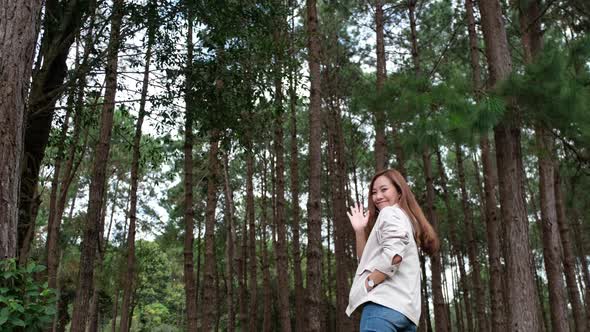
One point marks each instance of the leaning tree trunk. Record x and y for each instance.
(314, 224)
(210, 261)
(440, 315)
(52, 225)
(63, 20)
(569, 258)
(128, 280)
(522, 297)
(18, 31)
(97, 185)
(72, 165)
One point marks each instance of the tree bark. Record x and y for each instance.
(135, 174)
(97, 185)
(210, 261)
(550, 233)
(189, 213)
(532, 41)
(314, 225)
(569, 258)
(522, 298)
(18, 28)
(63, 20)
(493, 235)
(281, 244)
(440, 315)
(493, 230)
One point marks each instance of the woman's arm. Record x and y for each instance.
(361, 241)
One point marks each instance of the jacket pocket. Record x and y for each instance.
(358, 291)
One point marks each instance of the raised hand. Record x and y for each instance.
(358, 219)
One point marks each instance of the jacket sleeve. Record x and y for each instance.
(393, 238)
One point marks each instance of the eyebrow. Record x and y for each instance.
(380, 187)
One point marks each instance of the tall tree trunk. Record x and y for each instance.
(569, 258)
(251, 218)
(379, 113)
(242, 271)
(440, 315)
(522, 298)
(52, 226)
(413, 35)
(18, 28)
(189, 213)
(550, 233)
(493, 231)
(584, 262)
(532, 41)
(115, 311)
(281, 244)
(128, 280)
(478, 289)
(97, 185)
(210, 261)
(231, 316)
(425, 323)
(456, 247)
(337, 171)
(314, 224)
(63, 20)
(266, 286)
(71, 168)
(457, 301)
(294, 167)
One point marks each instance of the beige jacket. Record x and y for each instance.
(391, 235)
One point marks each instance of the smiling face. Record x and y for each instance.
(384, 192)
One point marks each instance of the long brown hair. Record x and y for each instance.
(423, 232)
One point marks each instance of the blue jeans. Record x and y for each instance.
(376, 317)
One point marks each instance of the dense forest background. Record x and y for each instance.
(184, 165)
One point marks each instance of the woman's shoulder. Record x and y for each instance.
(393, 213)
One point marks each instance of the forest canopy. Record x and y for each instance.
(184, 165)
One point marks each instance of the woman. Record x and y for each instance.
(387, 280)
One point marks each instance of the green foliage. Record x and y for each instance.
(553, 91)
(25, 304)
